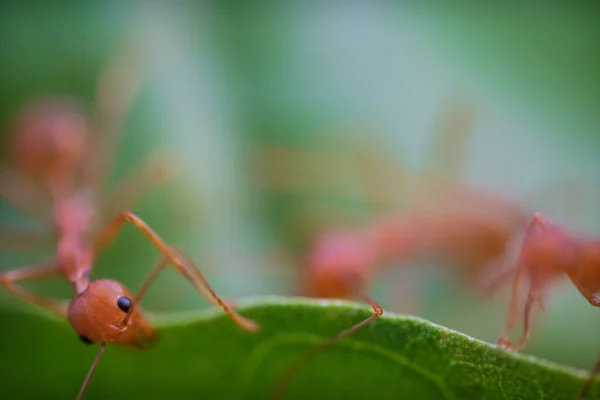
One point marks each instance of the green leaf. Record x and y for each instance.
(205, 355)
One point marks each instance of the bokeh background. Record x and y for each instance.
(231, 84)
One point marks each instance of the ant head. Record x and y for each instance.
(338, 262)
(588, 268)
(49, 137)
(99, 313)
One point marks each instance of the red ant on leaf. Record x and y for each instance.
(471, 229)
(466, 227)
(342, 264)
(55, 149)
(548, 252)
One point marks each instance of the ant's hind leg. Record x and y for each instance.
(184, 266)
(41, 271)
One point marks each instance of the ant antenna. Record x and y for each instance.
(154, 273)
(88, 378)
(292, 370)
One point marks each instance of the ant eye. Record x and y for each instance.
(124, 304)
(85, 340)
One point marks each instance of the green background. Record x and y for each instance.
(229, 76)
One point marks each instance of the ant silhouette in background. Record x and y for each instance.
(59, 157)
(468, 228)
(549, 251)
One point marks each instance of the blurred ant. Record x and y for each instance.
(471, 229)
(341, 265)
(55, 148)
(547, 252)
(464, 226)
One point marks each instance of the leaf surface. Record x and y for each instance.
(204, 355)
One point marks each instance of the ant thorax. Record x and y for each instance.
(76, 214)
(74, 219)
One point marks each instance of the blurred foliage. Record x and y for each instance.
(229, 79)
(397, 356)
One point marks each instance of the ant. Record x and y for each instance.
(471, 228)
(55, 148)
(341, 264)
(547, 252)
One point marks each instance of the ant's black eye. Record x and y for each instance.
(124, 304)
(85, 340)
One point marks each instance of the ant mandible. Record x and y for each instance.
(55, 149)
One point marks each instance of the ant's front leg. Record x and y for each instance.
(41, 271)
(184, 266)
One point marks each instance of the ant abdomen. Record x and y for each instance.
(99, 313)
(48, 138)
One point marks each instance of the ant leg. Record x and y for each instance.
(531, 299)
(22, 194)
(156, 170)
(308, 356)
(373, 174)
(116, 90)
(40, 271)
(88, 378)
(201, 289)
(537, 223)
(490, 288)
(182, 265)
(451, 138)
(586, 388)
(154, 273)
(513, 310)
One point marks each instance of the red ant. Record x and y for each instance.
(548, 251)
(342, 264)
(53, 147)
(471, 229)
(474, 232)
